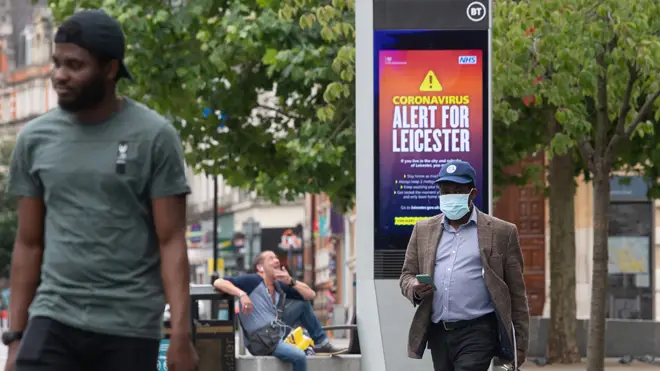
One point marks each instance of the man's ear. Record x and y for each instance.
(112, 70)
(473, 195)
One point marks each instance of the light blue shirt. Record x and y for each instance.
(458, 276)
(264, 307)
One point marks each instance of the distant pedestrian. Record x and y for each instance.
(101, 231)
(475, 307)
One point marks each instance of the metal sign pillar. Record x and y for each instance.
(423, 98)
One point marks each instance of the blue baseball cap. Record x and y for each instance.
(457, 171)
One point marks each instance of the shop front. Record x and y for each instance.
(630, 245)
(199, 237)
(328, 233)
(287, 244)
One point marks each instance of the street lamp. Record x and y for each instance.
(214, 237)
(215, 305)
(215, 224)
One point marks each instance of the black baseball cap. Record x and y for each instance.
(98, 32)
(457, 171)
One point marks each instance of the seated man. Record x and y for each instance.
(259, 298)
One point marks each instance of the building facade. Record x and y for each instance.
(26, 32)
(278, 228)
(525, 206)
(634, 250)
(634, 246)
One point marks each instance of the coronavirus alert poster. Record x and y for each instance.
(430, 111)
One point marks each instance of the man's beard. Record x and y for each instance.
(89, 96)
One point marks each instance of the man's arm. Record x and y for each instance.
(168, 190)
(170, 222)
(239, 286)
(513, 276)
(410, 269)
(299, 291)
(228, 287)
(29, 245)
(26, 260)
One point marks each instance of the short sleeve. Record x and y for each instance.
(245, 282)
(291, 293)
(168, 168)
(23, 180)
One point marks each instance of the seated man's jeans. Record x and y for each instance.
(299, 313)
(289, 353)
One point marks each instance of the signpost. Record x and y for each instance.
(423, 98)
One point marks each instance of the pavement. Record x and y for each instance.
(610, 365)
(342, 343)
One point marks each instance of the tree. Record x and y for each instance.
(536, 126)
(288, 123)
(270, 81)
(603, 90)
(8, 217)
(558, 185)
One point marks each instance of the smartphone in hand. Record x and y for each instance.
(426, 279)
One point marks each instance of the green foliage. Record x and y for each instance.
(642, 156)
(286, 88)
(518, 132)
(335, 22)
(8, 217)
(283, 71)
(598, 63)
(597, 67)
(329, 136)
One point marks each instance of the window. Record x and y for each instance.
(24, 55)
(5, 110)
(630, 264)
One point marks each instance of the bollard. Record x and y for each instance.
(214, 338)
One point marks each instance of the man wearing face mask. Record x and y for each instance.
(476, 308)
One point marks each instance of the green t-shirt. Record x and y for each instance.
(101, 266)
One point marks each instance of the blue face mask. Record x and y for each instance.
(455, 206)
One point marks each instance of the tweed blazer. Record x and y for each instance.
(503, 274)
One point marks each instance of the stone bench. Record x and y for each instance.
(316, 363)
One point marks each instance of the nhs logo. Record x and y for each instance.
(467, 59)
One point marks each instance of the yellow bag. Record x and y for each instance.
(299, 339)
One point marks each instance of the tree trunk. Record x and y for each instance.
(562, 337)
(596, 343)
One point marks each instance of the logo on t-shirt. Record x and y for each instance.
(120, 163)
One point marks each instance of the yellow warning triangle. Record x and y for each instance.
(430, 83)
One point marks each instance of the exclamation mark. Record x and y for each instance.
(430, 81)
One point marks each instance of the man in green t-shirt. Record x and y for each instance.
(101, 235)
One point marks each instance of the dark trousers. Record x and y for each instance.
(49, 345)
(465, 345)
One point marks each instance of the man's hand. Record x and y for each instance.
(422, 290)
(283, 275)
(181, 355)
(11, 356)
(246, 304)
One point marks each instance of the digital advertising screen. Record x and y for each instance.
(431, 107)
